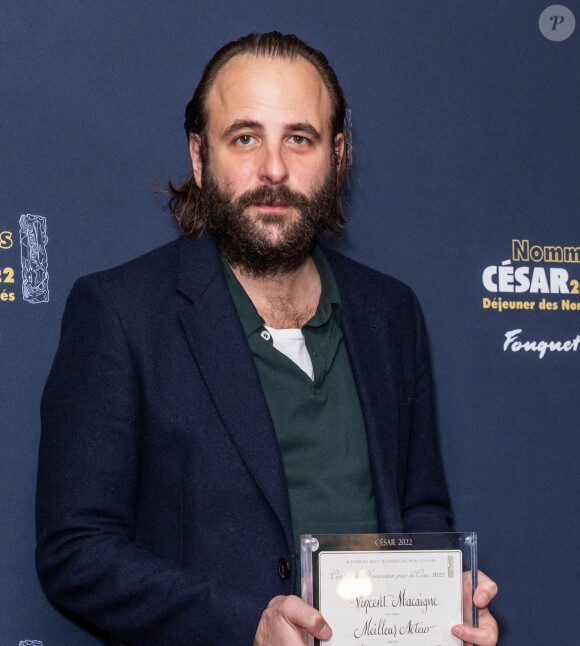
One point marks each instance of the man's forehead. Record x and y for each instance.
(249, 85)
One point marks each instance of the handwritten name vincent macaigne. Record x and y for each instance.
(396, 601)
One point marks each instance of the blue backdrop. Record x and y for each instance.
(465, 185)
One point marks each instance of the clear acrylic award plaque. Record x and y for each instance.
(400, 589)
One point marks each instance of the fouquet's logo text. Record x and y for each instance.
(512, 342)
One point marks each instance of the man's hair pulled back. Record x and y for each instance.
(185, 202)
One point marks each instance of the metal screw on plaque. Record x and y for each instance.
(315, 544)
(468, 539)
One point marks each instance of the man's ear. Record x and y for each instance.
(195, 154)
(339, 151)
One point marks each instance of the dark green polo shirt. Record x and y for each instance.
(319, 424)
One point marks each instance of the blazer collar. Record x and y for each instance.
(217, 340)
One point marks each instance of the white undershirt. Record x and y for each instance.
(291, 343)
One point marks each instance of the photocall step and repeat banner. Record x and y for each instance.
(465, 185)
(535, 278)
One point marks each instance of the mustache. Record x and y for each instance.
(271, 195)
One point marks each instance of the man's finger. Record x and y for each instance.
(485, 591)
(301, 614)
(477, 636)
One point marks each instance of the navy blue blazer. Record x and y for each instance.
(162, 507)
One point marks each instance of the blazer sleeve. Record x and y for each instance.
(87, 486)
(426, 506)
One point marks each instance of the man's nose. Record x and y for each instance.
(273, 166)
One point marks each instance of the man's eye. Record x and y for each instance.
(245, 140)
(298, 139)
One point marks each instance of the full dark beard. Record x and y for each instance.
(242, 242)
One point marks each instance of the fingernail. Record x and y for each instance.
(325, 633)
(457, 631)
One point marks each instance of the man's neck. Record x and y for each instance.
(286, 301)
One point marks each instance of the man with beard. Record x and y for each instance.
(216, 398)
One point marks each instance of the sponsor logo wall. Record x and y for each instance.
(536, 278)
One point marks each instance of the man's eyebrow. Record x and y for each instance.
(307, 128)
(241, 124)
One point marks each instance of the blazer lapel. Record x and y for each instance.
(216, 338)
(366, 333)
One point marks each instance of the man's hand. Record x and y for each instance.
(486, 634)
(283, 620)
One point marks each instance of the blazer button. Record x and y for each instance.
(283, 569)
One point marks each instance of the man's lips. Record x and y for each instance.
(274, 206)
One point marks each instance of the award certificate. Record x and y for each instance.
(393, 591)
